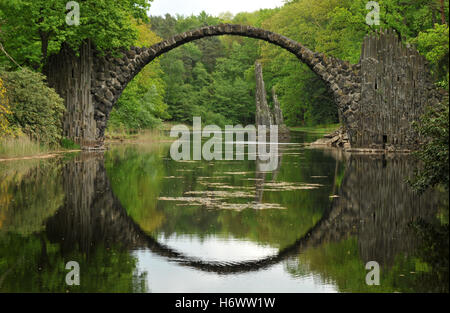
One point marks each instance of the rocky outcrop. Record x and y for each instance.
(338, 139)
(396, 85)
(283, 130)
(71, 76)
(263, 115)
(277, 113)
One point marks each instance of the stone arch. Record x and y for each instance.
(377, 99)
(114, 73)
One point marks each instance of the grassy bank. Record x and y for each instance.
(13, 147)
(22, 146)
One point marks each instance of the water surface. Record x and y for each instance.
(137, 221)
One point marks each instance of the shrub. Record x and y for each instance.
(36, 108)
(434, 153)
(67, 143)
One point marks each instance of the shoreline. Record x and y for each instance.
(143, 138)
(48, 155)
(372, 151)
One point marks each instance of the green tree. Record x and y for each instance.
(4, 111)
(433, 43)
(334, 27)
(34, 29)
(434, 153)
(141, 105)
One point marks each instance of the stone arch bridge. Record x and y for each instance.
(377, 99)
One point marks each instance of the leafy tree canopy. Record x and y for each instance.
(33, 29)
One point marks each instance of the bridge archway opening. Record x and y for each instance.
(332, 71)
(316, 82)
(100, 80)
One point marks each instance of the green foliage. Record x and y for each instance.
(412, 18)
(141, 105)
(137, 183)
(36, 264)
(434, 153)
(4, 111)
(34, 29)
(434, 244)
(233, 89)
(180, 93)
(134, 110)
(36, 109)
(17, 144)
(434, 45)
(207, 78)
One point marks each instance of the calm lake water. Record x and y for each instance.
(137, 221)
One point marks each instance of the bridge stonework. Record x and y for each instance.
(395, 87)
(91, 84)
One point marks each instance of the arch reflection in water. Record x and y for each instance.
(374, 205)
(374, 218)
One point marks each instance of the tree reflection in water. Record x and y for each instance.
(374, 218)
